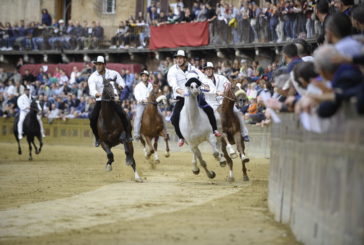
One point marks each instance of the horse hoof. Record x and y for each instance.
(19, 152)
(37, 152)
(157, 161)
(108, 167)
(216, 155)
(212, 175)
(138, 180)
(166, 154)
(30, 158)
(223, 164)
(233, 155)
(196, 172)
(230, 179)
(245, 160)
(245, 178)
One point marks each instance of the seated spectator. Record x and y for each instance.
(54, 113)
(46, 18)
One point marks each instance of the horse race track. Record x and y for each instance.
(64, 196)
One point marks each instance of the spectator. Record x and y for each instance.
(345, 79)
(46, 18)
(338, 31)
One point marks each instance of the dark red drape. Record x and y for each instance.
(179, 35)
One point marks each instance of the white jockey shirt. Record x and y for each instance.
(218, 86)
(24, 102)
(177, 78)
(96, 84)
(141, 92)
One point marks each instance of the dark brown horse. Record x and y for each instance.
(152, 124)
(231, 128)
(110, 128)
(31, 129)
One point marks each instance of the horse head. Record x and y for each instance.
(108, 91)
(235, 92)
(193, 85)
(35, 106)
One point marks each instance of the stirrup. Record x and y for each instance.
(97, 142)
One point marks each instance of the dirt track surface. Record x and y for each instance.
(64, 196)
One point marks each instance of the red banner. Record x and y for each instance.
(179, 35)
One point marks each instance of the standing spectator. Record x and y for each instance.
(344, 6)
(338, 32)
(358, 19)
(46, 18)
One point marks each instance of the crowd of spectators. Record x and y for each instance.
(272, 21)
(314, 86)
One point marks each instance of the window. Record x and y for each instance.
(109, 6)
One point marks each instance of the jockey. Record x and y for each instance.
(216, 86)
(141, 93)
(24, 102)
(177, 79)
(96, 86)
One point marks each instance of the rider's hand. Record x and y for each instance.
(219, 93)
(97, 95)
(180, 92)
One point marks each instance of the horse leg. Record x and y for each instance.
(230, 148)
(110, 156)
(155, 145)
(150, 147)
(195, 169)
(17, 140)
(30, 148)
(40, 139)
(35, 147)
(197, 152)
(143, 143)
(129, 152)
(239, 143)
(230, 178)
(215, 144)
(166, 140)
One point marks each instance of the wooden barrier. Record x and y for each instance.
(77, 131)
(316, 182)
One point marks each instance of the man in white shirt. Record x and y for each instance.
(215, 84)
(141, 93)
(96, 86)
(177, 79)
(24, 102)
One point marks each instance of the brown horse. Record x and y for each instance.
(110, 128)
(152, 125)
(231, 128)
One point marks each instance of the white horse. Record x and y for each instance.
(195, 127)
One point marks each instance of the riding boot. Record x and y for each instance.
(175, 116)
(93, 122)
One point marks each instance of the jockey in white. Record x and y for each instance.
(141, 94)
(24, 102)
(96, 86)
(215, 84)
(177, 78)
